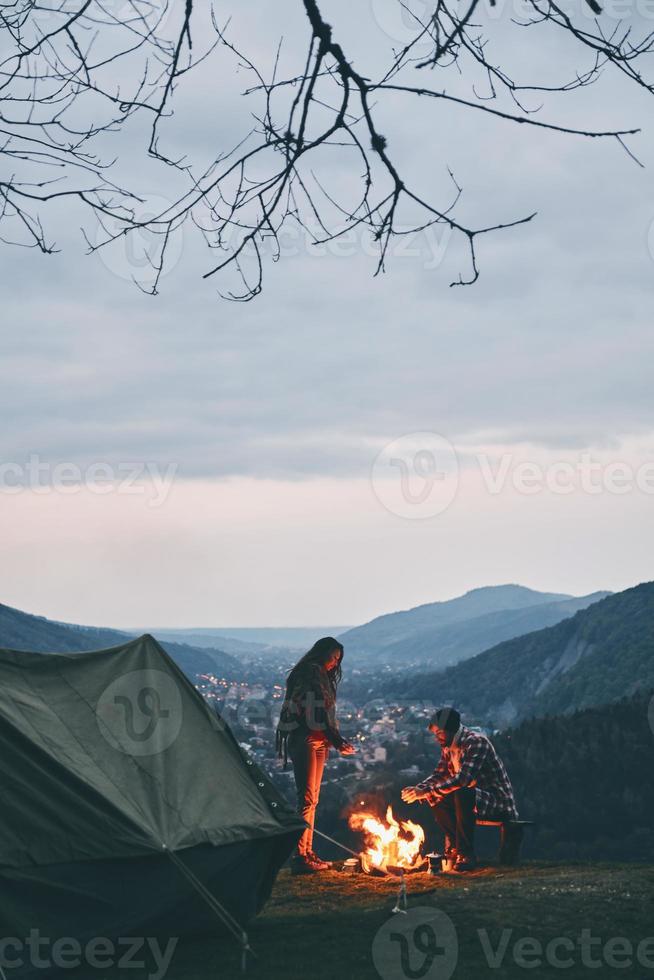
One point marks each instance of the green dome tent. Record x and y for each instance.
(128, 808)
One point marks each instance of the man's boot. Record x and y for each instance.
(465, 862)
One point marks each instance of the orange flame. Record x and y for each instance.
(389, 844)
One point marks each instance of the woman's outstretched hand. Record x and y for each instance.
(347, 749)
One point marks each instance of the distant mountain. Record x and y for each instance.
(201, 639)
(400, 627)
(602, 653)
(249, 640)
(442, 646)
(203, 660)
(22, 631)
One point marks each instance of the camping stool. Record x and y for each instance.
(511, 835)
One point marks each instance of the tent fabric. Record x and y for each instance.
(107, 760)
(141, 896)
(75, 790)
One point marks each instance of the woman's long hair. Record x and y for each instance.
(318, 655)
(321, 651)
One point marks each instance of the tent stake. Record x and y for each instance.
(225, 917)
(401, 902)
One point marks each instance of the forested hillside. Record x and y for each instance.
(443, 646)
(599, 655)
(586, 781)
(384, 631)
(22, 631)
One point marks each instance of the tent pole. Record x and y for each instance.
(225, 917)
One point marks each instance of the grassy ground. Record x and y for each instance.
(339, 926)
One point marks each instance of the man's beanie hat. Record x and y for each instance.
(448, 719)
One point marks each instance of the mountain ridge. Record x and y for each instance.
(446, 645)
(600, 654)
(390, 629)
(475, 602)
(20, 630)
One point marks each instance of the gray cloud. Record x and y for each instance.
(553, 345)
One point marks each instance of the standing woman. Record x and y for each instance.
(306, 731)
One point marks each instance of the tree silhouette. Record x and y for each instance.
(75, 72)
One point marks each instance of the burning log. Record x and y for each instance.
(391, 846)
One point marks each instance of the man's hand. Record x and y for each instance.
(347, 749)
(412, 794)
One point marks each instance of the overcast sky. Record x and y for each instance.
(344, 445)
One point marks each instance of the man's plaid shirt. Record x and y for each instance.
(480, 768)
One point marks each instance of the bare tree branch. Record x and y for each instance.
(74, 74)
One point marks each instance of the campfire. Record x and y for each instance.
(390, 845)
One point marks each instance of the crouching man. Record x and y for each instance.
(470, 782)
